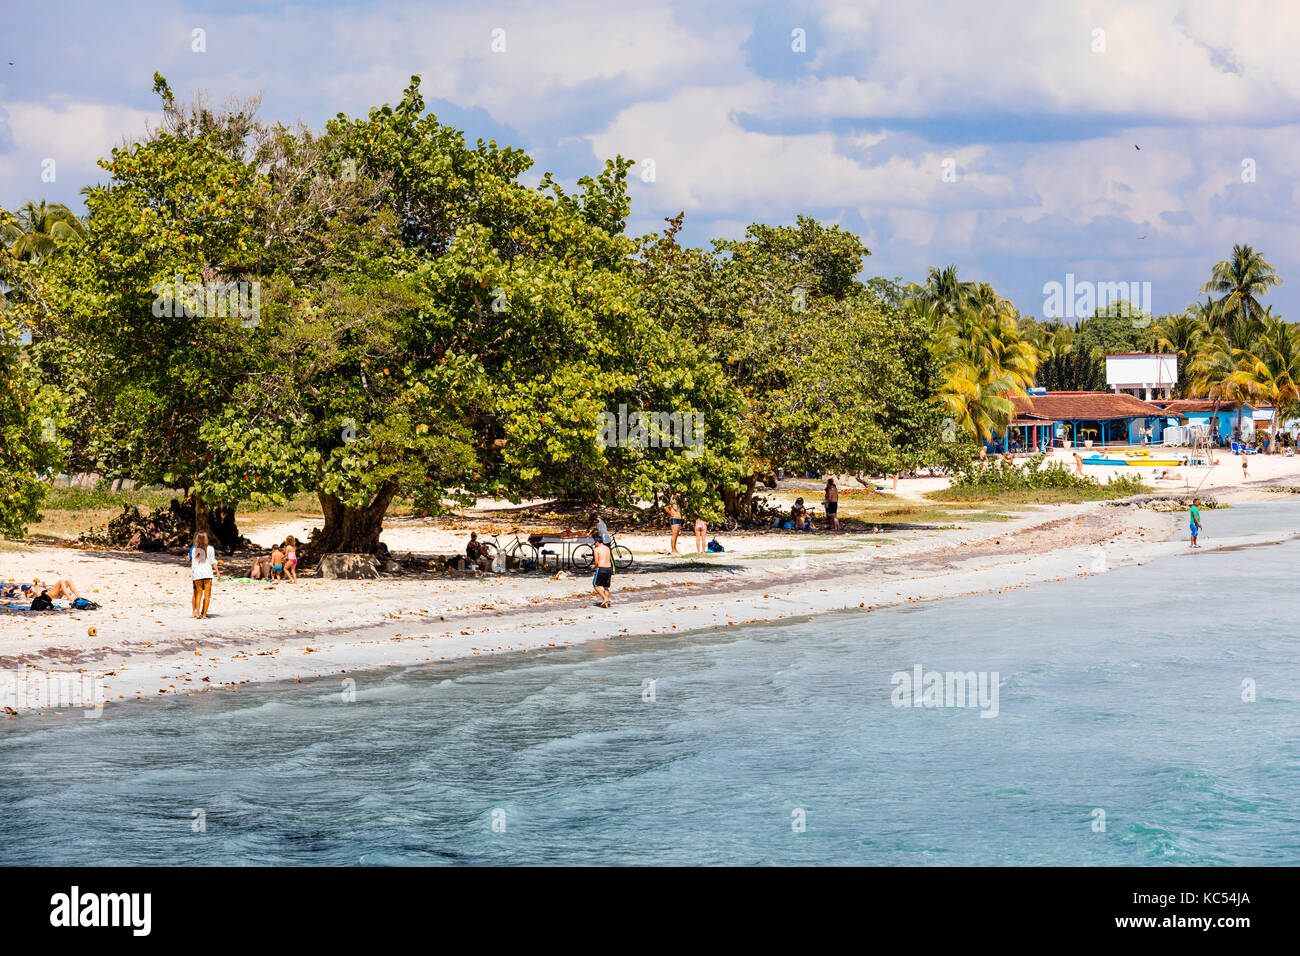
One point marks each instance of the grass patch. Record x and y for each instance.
(98, 499)
(1035, 481)
(789, 553)
(917, 513)
(1037, 496)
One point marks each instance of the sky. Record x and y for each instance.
(999, 136)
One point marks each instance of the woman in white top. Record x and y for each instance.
(203, 562)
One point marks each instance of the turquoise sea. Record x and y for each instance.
(1125, 694)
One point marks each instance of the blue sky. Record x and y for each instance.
(1031, 109)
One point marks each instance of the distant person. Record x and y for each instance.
(701, 531)
(674, 510)
(1194, 520)
(833, 504)
(291, 558)
(799, 516)
(1078, 465)
(601, 530)
(604, 575)
(476, 554)
(59, 589)
(1244, 473)
(204, 566)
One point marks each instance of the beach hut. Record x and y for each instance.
(1220, 417)
(1102, 418)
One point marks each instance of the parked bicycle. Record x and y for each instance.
(584, 555)
(525, 552)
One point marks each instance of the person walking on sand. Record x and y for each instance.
(1245, 475)
(833, 504)
(291, 558)
(204, 566)
(1078, 465)
(604, 570)
(674, 510)
(701, 531)
(1194, 519)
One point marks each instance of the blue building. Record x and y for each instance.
(1073, 419)
(1223, 418)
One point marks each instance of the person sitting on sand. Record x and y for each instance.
(602, 529)
(800, 517)
(477, 554)
(261, 569)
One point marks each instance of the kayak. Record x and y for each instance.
(1134, 462)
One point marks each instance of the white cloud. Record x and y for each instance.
(74, 135)
(706, 159)
(1190, 61)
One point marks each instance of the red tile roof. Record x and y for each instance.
(1183, 406)
(1085, 406)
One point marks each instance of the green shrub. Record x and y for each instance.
(998, 476)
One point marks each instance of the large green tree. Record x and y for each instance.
(833, 375)
(485, 354)
(32, 435)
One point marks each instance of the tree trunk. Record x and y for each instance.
(740, 505)
(218, 522)
(349, 529)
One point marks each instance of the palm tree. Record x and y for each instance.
(1212, 372)
(1182, 335)
(1241, 279)
(1270, 372)
(38, 229)
(985, 358)
(944, 289)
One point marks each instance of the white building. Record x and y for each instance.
(1143, 375)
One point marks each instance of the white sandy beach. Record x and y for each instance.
(144, 642)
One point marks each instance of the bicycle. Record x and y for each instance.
(525, 552)
(584, 555)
